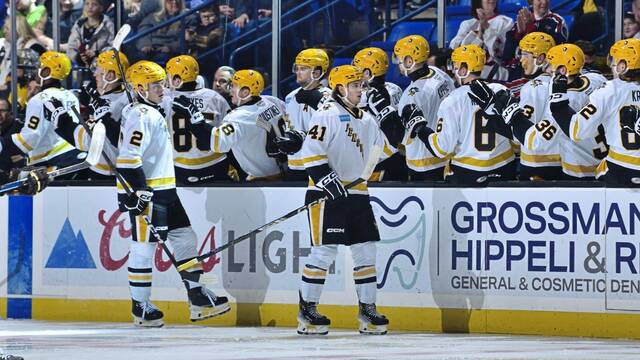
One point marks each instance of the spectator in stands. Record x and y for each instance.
(69, 14)
(138, 10)
(164, 43)
(9, 125)
(36, 16)
(236, 14)
(630, 26)
(28, 48)
(206, 32)
(91, 34)
(589, 21)
(536, 18)
(488, 30)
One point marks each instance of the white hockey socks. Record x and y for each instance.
(315, 271)
(140, 270)
(184, 244)
(364, 271)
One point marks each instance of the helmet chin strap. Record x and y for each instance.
(42, 79)
(145, 97)
(241, 99)
(106, 82)
(460, 78)
(404, 70)
(345, 98)
(312, 81)
(176, 87)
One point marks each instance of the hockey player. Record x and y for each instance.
(145, 160)
(222, 82)
(244, 130)
(612, 106)
(543, 164)
(429, 86)
(382, 95)
(37, 139)
(195, 164)
(579, 160)
(310, 67)
(37, 179)
(340, 136)
(479, 153)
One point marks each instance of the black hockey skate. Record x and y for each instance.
(204, 304)
(371, 321)
(310, 321)
(145, 314)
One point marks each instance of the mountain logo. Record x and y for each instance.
(70, 251)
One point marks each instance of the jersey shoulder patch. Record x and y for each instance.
(344, 118)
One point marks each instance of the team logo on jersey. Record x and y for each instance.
(413, 91)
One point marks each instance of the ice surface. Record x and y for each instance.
(96, 341)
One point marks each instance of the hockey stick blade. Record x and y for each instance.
(120, 36)
(95, 148)
(369, 166)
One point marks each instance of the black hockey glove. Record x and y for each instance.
(36, 180)
(309, 97)
(500, 106)
(412, 119)
(87, 94)
(559, 86)
(291, 142)
(55, 112)
(332, 186)
(137, 202)
(182, 105)
(379, 102)
(630, 119)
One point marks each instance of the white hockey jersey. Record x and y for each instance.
(240, 133)
(426, 93)
(298, 117)
(462, 132)
(604, 109)
(117, 102)
(534, 98)
(395, 92)
(186, 153)
(145, 142)
(578, 159)
(38, 139)
(343, 140)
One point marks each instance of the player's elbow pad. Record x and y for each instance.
(318, 172)
(519, 126)
(8, 147)
(562, 113)
(134, 177)
(202, 132)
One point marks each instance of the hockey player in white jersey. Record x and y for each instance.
(429, 86)
(145, 160)
(245, 130)
(195, 163)
(310, 68)
(613, 106)
(543, 164)
(340, 138)
(579, 160)
(38, 139)
(479, 154)
(381, 99)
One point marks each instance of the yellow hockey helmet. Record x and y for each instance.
(343, 75)
(107, 61)
(373, 59)
(627, 50)
(471, 55)
(250, 79)
(537, 43)
(414, 46)
(184, 66)
(567, 55)
(143, 73)
(313, 58)
(58, 63)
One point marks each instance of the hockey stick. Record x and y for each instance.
(117, 42)
(129, 191)
(93, 156)
(372, 161)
